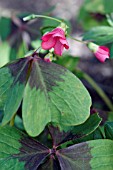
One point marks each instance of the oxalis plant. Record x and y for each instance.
(55, 130)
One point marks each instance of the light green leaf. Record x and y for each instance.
(4, 53)
(100, 35)
(53, 94)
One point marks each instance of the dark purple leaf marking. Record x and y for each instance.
(19, 69)
(76, 157)
(32, 153)
(75, 132)
(45, 75)
(51, 164)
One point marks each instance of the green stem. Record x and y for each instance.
(84, 42)
(98, 90)
(33, 16)
(12, 120)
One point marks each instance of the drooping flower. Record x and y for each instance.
(101, 52)
(55, 39)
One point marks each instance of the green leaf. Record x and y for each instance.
(5, 27)
(97, 134)
(12, 83)
(87, 127)
(53, 94)
(75, 133)
(49, 25)
(4, 53)
(97, 154)
(20, 152)
(108, 127)
(100, 35)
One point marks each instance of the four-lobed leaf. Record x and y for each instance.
(50, 93)
(21, 152)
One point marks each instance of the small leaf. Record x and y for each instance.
(109, 130)
(100, 35)
(53, 94)
(20, 152)
(76, 132)
(96, 154)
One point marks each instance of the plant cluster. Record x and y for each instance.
(46, 117)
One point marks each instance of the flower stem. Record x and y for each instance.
(98, 90)
(75, 39)
(33, 16)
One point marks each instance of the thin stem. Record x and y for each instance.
(98, 90)
(84, 42)
(33, 16)
(12, 120)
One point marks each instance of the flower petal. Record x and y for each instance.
(59, 32)
(102, 53)
(48, 44)
(103, 50)
(101, 57)
(46, 36)
(58, 48)
(64, 43)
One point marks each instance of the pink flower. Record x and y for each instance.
(55, 39)
(101, 52)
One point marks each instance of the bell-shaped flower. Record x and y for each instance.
(101, 52)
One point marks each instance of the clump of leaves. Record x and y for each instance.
(19, 151)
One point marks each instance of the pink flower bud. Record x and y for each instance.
(101, 52)
(55, 39)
